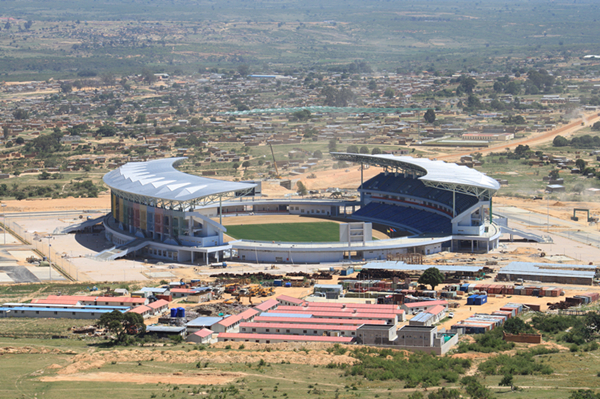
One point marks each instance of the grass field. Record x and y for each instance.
(296, 232)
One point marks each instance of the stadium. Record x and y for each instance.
(160, 212)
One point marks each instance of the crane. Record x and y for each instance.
(275, 163)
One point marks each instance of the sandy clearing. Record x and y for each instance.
(62, 204)
(316, 356)
(176, 378)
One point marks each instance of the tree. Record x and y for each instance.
(28, 24)
(516, 326)
(432, 277)
(141, 118)
(111, 110)
(352, 149)
(122, 324)
(554, 174)
(372, 85)
(108, 79)
(467, 84)
(475, 389)
(332, 145)
(364, 150)
(300, 115)
(5, 132)
(560, 141)
(507, 380)
(318, 154)
(584, 394)
(580, 163)
(44, 175)
(243, 69)
(429, 116)
(20, 140)
(301, 188)
(522, 150)
(106, 130)
(246, 164)
(66, 87)
(445, 394)
(595, 126)
(20, 114)
(148, 76)
(376, 151)
(389, 92)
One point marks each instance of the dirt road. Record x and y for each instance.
(538, 139)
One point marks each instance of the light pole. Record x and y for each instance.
(49, 260)
(4, 222)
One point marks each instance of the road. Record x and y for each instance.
(566, 130)
(544, 223)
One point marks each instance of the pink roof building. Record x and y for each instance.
(289, 300)
(272, 338)
(248, 314)
(228, 324)
(267, 305)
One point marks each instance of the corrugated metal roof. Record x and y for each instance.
(288, 298)
(288, 315)
(425, 303)
(302, 326)
(549, 269)
(231, 320)
(314, 320)
(204, 321)
(59, 310)
(165, 329)
(205, 332)
(282, 337)
(347, 315)
(266, 305)
(422, 317)
(392, 265)
(339, 309)
(159, 179)
(330, 286)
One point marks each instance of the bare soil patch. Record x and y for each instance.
(135, 378)
(284, 352)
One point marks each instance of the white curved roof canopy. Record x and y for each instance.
(431, 171)
(160, 179)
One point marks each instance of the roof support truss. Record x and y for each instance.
(180, 205)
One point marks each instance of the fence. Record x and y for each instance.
(44, 248)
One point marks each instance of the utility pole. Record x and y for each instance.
(4, 222)
(50, 260)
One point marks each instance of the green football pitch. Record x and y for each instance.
(289, 232)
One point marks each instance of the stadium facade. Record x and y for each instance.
(160, 212)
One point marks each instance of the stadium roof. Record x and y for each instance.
(159, 179)
(449, 176)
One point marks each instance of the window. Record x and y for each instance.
(277, 330)
(287, 331)
(37, 312)
(305, 332)
(267, 330)
(254, 330)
